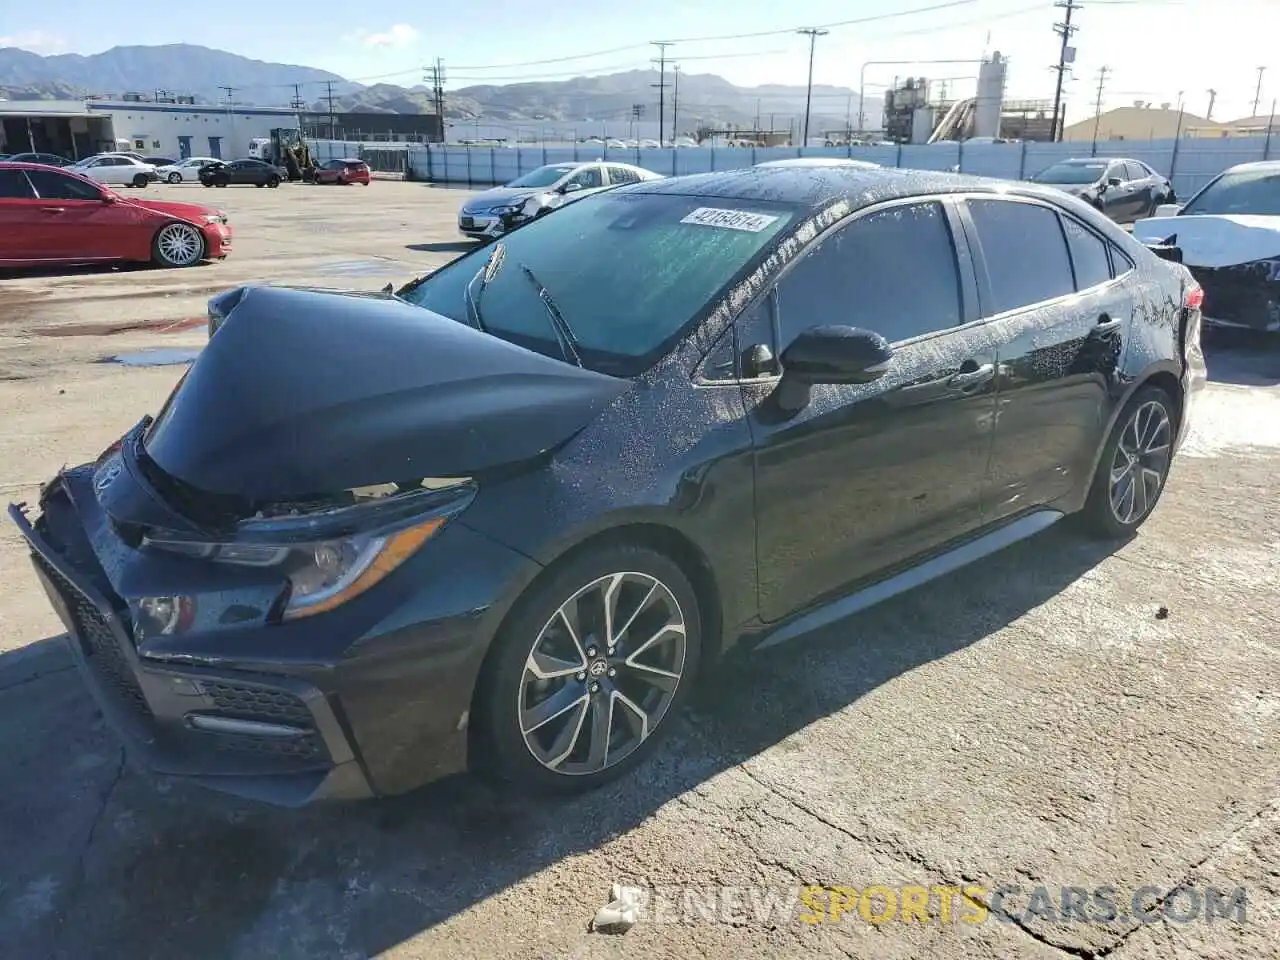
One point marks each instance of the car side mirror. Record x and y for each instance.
(1114, 181)
(108, 198)
(837, 354)
(571, 188)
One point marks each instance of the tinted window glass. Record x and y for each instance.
(623, 175)
(1255, 192)
(1071, 173)
(589, 177)
(893, 272)
(1025, 253)
(1134, 171)
(628, 273)
(13, 185)
(542, 177)
(1088, 255)
(57, 186)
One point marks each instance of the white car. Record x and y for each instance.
(538, 192)
(821, 162)
(184, 170)
(1228, 235)
(116, 169)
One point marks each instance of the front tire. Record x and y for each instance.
(178, 245)
(273, 182)
(174, 178)
(1134, 466)
(590, 671)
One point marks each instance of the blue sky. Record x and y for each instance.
(1154, 48)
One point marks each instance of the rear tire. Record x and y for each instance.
(570, 698)
(1134, 466)
(140, 180)
(273, 182)
(174, 178)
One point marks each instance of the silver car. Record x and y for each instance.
(538, 192)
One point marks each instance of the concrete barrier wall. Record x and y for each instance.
(1190, 163)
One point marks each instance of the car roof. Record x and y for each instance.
(816, 188)
(817, 162)
(32, 165)
(1255, 165)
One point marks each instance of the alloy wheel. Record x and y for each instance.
(179, 244)
(602, 673)
(1140, 463)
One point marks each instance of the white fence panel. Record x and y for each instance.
(1190, 163)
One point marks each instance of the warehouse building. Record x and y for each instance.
(79, 128)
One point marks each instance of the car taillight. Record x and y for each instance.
(1195, 297)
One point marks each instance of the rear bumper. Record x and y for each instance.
(1246, 295)
(270, 738)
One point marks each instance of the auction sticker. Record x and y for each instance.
(729, 219)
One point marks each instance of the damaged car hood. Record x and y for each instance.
(304, 392)
(1215, 240)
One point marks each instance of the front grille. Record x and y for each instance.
(101, 649)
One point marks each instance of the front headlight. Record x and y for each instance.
(321, 575)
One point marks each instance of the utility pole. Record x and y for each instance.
(231, 121)
(1066, 55)
(437, 92)
(813, 33)
(329, 97)
(675, 106)
(1213, 95)
(1097, 107)
(757, 116)
(661, 60)
(297, 102)
(1257, 93)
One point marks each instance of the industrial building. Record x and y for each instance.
(79, 128)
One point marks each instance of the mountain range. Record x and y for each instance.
(202, 72)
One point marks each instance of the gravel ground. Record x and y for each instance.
(1059, 715)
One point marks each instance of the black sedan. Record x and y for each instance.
(505, 517)
(1125, 190)
(255, 173)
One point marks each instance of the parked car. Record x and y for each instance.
(819, 162)
(1229, 235)
(507, 515)
(116, 169)
(51, 215)
(257, 173)
(1125, 190)
(48, 159)
(538, 192)
(343, 172)
(185, 170)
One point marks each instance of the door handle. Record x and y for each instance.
(969, 380)
(53, 210)
(1105, 325)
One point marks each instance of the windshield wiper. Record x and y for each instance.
(563, 332)
(486, 273)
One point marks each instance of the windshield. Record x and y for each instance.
(1252, 192)
(542, 177)
(629, 272)
(1071, 173)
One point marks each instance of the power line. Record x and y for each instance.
(813, 33)
(1066, 55)
(837, 23)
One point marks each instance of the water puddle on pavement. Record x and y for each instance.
(155, 357)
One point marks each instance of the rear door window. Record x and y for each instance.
(1025, 254)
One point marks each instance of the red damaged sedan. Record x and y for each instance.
(54, 216)
(343, 172)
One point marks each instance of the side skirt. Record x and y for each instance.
(939, 566)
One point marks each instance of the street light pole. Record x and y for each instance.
(813, 33)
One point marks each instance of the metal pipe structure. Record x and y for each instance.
(862, 79)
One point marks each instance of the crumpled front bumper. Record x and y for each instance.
(266, 737)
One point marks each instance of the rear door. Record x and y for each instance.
(1062, 323)
(867, 476)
